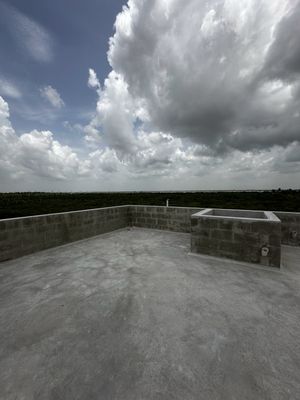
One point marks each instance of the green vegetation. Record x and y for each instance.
(22, 204)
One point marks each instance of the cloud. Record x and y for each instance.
(4, 113)
(93, 81)
(52, 96)
(200, 95)
(292, 153)
(203, 88)
(39, 152)
(199, 69)
(8, 89)
(77, 128)
(36, 153)
(283, 58)
(36, 160)
(113, 124)
(28, 33)
(161, 154)
(104, 160)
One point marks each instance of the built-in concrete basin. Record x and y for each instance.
(216, 212)
(244, 235)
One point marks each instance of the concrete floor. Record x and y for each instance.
(132, 315)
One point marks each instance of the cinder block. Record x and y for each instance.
(221, 234)
(234, 234)
(53, 229)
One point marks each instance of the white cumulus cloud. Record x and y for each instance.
(52, 96)
(113, 124)
(36, 153)
(93, 81)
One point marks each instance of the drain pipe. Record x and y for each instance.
(167, 203)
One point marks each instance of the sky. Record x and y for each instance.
(108, 95)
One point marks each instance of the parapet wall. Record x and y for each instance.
(21, 236)
(176, 219)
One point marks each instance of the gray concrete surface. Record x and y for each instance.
(238, 234)
(131, 315)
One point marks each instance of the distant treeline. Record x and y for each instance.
(22, 204)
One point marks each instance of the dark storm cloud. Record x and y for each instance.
(283, 59)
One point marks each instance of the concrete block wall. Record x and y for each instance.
(238, 239)
(290, 227)
(176, 219)
(21, 236)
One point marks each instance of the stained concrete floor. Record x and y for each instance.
(132, 315)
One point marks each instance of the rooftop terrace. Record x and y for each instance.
(132, 314)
